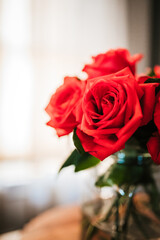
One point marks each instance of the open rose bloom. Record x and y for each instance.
(110, 108)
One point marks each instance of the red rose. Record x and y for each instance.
(148, 100)
(157, 71)
(111, 62)
(111, 113)
(153, 146)
(157, 112)
(62, 105)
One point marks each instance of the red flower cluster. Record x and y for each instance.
(110, 106)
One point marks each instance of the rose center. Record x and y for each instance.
(107, 104)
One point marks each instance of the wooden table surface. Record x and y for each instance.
(60, 223)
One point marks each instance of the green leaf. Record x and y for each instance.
(71, 160)
(153, 80)
(80, 161)
(86, 161)
(152, 73)
(77, 142)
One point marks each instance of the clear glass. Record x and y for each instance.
(132, 211)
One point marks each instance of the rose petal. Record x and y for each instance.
(153, 146)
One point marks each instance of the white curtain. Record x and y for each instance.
(41, 42)
(16, 79)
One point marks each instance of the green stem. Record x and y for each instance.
(129, 206)
(90, 232)
(117, 213)
(139, 224)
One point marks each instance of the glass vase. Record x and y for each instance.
(132, 211)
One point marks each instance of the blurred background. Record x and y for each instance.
(41, 41)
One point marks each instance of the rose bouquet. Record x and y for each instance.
(113, 111)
